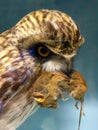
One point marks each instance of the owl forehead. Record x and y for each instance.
(53, 28)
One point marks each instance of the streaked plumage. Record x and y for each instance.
(44, 40)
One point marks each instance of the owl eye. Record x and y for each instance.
(43, 51)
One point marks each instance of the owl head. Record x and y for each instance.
(44, 40)
(50, 37)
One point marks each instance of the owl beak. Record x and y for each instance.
(80, 42)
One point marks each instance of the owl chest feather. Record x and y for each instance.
(16, 80)
(17, 111)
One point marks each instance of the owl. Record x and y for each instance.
(41, 45)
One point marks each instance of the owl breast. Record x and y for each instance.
(16, 77)
(17, 111)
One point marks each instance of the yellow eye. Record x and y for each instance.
(43, 51)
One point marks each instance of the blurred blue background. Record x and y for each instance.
(85, 13)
